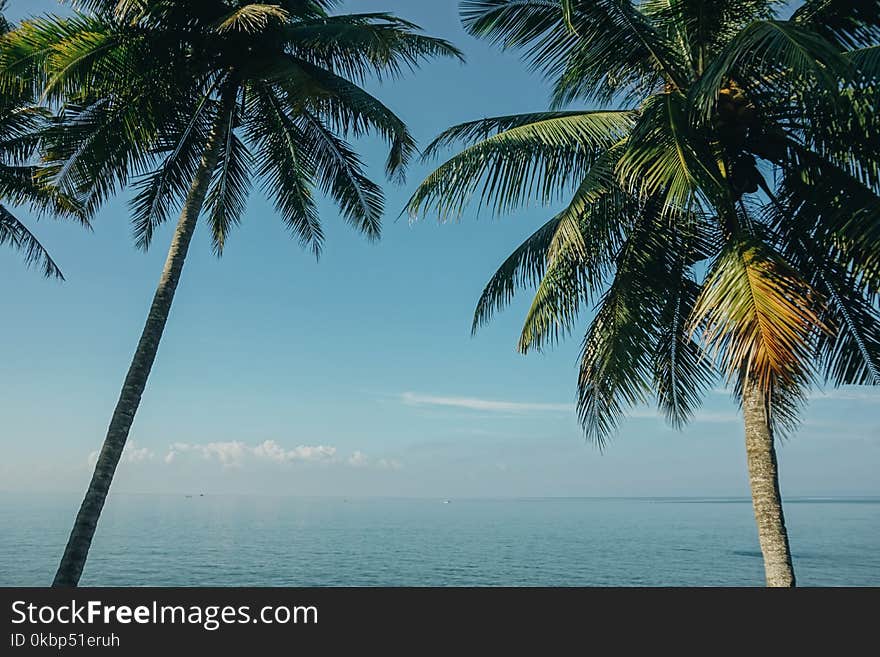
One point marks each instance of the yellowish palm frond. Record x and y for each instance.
(758, 317)
(252, 18)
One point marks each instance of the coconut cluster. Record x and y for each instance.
(737, 125)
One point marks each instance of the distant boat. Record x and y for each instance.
(446, 501)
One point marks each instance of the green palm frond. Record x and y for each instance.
(616, 369)
(341, 175)
(698, 29)
(580, 242)
(846, 23)
(867, 62)
(66, 57)
(20, 131)
(358, 45)
(841, 165)
(666, 156)
(851, 351)
(618, 53)
(596, 50)
(511, 23)
(778, 53)
(160, 191)
(682, 371)
(345, 107)
(556, 304)
(227, 196)
(532, 156)
(93, 152)
(598, 195)
(832, 227)
(523, 267)
(286, 168)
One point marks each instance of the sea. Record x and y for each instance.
(218, 540)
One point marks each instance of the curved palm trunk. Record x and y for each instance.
(764, 481)
(80, 540)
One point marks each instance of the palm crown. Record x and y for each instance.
(727, 206)
(145, 84)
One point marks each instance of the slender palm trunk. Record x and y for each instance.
(80, 540)
(764, 481)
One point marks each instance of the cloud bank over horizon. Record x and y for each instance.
(236, 454)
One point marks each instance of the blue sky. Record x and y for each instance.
(355, 375)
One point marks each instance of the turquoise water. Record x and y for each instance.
(249, 541)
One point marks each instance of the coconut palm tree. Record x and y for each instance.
(720, 207)
(192, 99)
(20, 183)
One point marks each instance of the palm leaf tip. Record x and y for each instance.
(14, 233)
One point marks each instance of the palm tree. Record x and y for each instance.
(722, 206)
(191, 99)
(20, 182)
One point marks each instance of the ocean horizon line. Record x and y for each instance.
(464, 498)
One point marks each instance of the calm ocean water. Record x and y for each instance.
(224, 541)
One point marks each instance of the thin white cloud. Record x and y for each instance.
(360, 460)
(271, 450)
(228, 453)
(131, 453)
(849, 393)
(496, 406)
(488, 405)
(235, 454)
(720, 417)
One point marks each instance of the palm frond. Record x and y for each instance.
(850, 352)
(227, 196)
(252, 18)
(758, 316)
(522, 268)
(665, 155)
(682, 371)
(781, 52)
(556, 304)
(846, 23)
(698, 29)
(832, 229)
(532, 156)
(619, 53)
(616, 369)
(15, 234)
(286, 168)
(596, 50)
(184, 140)
(867, 62)
(341, 175)
(347, 108)
(358, 45)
